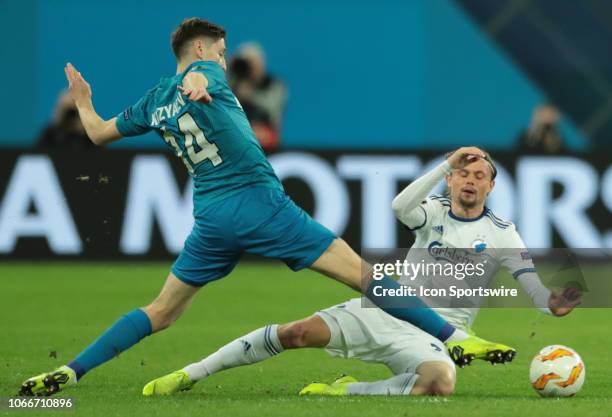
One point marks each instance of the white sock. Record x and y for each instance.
(457, 336)
(398, 385)
(254, 347)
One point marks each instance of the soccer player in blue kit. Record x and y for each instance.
(239, 205)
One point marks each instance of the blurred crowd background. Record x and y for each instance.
(352, 100)
(533, 75)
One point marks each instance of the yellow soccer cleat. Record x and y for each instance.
(168, 384)
(48, 383)
(338, 387)
(465, 351)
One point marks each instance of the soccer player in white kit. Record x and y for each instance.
(421, 364)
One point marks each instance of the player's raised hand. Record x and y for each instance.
(194, 87)
(80, 91)
(563, 303)
(465, 156)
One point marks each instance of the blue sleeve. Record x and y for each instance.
(214, 74)
(135, 119)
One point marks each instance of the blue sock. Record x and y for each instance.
(409, 308)
(126, 332)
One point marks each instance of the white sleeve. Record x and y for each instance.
(514, 255)
(410, 206)
(517, 259)
(539, 294)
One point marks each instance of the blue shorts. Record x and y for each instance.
(259, 220)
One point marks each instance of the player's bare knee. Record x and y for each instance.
(442, 382)
(293, 335)
(309, 332)
(436, 378)
(442, 388)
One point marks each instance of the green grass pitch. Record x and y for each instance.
(49, 312)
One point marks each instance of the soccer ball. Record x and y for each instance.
(557, 371)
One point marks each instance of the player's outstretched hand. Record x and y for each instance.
(80, 91)
(562, 304)
(465, 156)
(194, 87)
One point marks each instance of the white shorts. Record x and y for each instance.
(372, 335)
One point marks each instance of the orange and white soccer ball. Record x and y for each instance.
(557, 371)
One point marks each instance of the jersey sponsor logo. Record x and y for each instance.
(453, 255)
(439, 229)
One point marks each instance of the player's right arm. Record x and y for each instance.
(100, 131)
(411, 206)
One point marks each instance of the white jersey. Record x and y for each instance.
(370, 334)
(440, 234)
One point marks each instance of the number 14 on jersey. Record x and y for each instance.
(189, 128)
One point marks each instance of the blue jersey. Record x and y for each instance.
(214, 141)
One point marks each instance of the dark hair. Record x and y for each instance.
(192, 28)
(487, 158)
(240, 69)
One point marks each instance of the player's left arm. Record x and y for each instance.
(100, 131)
(547, 301)
(517, 260)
